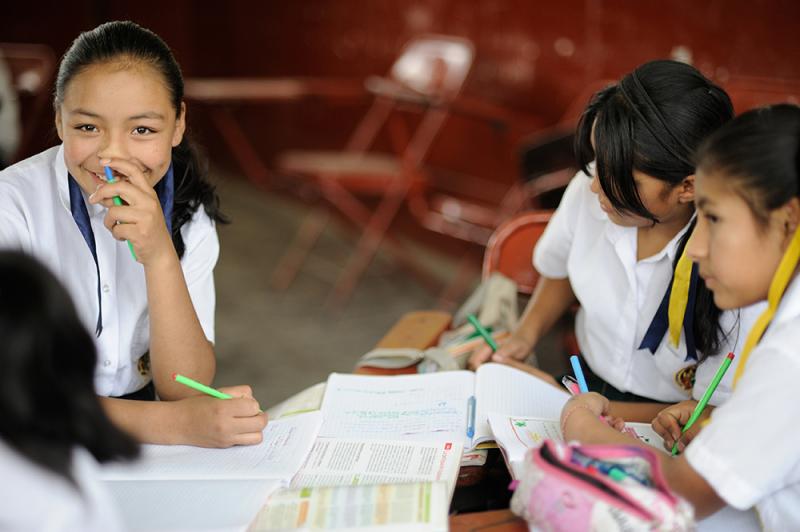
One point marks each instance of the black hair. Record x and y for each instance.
(651, 121)
(127, 41)
(759, 154)
(48, 404)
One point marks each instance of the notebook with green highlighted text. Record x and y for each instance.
(434, 406)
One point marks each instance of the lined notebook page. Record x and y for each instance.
(286, 444)
(512, 392)
(429, 407)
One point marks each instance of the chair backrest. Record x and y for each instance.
(429, 74)
(434, 65)
(510, 249)
(32, 67)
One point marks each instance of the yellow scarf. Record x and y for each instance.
(679, 296)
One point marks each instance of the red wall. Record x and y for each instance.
(533, 57)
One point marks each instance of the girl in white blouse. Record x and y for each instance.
(616, 236)
(747, 245)
(119, 105)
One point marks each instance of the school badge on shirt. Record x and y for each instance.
(684, 378)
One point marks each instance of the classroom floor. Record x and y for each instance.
(282, 342)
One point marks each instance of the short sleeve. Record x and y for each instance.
(198, 262)
(730, 454)
(13, 229)
(552, 251)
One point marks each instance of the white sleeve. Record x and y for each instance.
(552, 251)
(751, 448)
(198, 262)
(14, 232)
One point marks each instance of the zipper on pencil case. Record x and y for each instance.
(604, 486)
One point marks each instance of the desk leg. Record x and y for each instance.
(241, 147)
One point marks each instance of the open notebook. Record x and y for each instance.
(433, 407)
(516, 434)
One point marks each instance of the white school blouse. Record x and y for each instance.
(35, 217)
(618, 298)
(33, 498)
(750, 451)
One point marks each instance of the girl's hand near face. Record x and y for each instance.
(141, 221)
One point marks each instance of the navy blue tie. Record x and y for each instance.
(165, 189)
(660, 324)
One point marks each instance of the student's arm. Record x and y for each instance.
(550, 299)
(199, 420)
(580, 420)
(177, 341)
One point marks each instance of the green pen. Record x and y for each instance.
(706, 396)
(118, 201)
(483, 332)
(199, 387)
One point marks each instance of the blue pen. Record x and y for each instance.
(576, 368)
(118, 201)
(471, 417)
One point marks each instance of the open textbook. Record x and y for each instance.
(397, 507)
(345, 462)
(516, 434)
(435, 406)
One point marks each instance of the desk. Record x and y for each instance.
(221, 94)
(421, 330)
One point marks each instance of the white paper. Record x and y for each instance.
(396, 508)
(286, 444)
(335, 462)
(173, 505)
(306, 401)
(513, 392)
(430, 407)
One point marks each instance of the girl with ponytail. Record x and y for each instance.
(123, 212)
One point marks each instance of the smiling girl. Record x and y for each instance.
(747, 245)
(119, 104)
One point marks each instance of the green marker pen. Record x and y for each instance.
(186, 381)
(118, 201)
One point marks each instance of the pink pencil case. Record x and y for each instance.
(571, 487)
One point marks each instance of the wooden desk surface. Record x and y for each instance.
(492, 521)
(255, 90)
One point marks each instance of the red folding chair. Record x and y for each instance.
(425, 79)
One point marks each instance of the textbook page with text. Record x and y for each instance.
(388, 508)
(345, 462)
